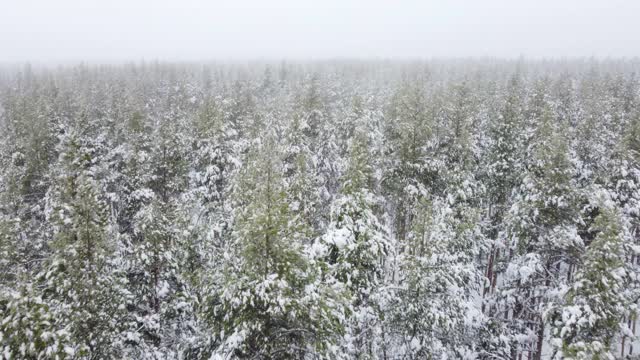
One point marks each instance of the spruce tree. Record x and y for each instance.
(271, 303)
(434, 311)
(82, 284)
(357, 244)
(588, 321)
(542, 228)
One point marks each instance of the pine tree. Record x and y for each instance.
(408, 135)
(301, 175)
(624, 185)
(82, 284)
(271, 303)
(357, 245)
(435, 305)
(502, 171)
(211, 163)
(594, 135)
(28, 121)
(542, 227)
(588, 321)
(318, 127)
(163, 307)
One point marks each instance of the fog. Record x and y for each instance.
(116, 30)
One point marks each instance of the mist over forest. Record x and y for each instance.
(455, 208)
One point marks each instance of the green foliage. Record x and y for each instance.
(430, 311)
(338, 209)
(30, 329)
(589, 319)
(272, 302)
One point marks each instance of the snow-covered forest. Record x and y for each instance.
(442, 209)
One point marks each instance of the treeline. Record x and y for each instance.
(461, 209)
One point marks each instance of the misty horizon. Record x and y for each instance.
(74, 31)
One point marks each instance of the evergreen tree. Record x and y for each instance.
(408, 136)
(82, 284)
(271, 303)
(301, 176)
(357, 245)
(588, 321)
(28, 122)
(435, 312)
(542, 226)
(163, 305)
(502, 171)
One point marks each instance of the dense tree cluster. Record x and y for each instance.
(461, 209)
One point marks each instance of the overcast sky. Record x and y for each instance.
(116, 30)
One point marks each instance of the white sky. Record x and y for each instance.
(117, 30)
